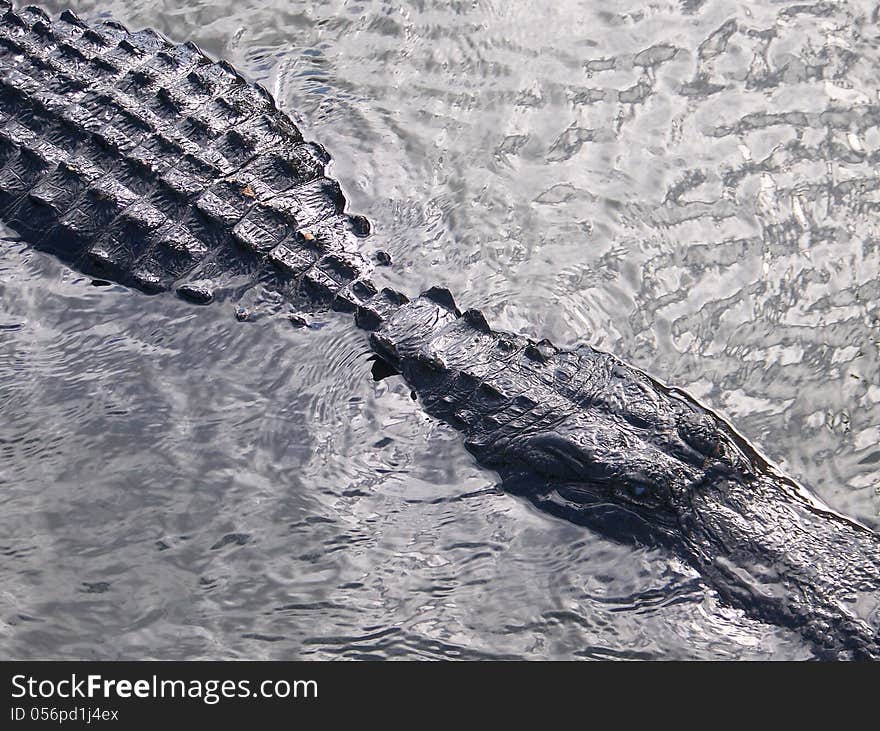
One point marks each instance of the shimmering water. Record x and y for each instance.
(690, 185)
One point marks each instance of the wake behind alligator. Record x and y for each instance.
(143, 162)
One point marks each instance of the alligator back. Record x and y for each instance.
(145, 163)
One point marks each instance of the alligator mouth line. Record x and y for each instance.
(145, 163)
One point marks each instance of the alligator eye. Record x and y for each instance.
(637, 492)
(640, 493)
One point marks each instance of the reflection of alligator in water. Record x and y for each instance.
(144, 163)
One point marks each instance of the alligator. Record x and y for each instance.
(143, 162)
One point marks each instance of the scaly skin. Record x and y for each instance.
(145, 163)
(577, 431)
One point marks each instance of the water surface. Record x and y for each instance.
(690, 185)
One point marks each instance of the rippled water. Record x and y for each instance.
(690, 185)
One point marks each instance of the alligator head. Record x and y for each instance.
(634, 445)
(597, 442)
(684, 480)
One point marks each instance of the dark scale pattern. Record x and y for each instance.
(496, 386)
(145, 163)
(593, 440)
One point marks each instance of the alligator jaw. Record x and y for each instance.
(759, 544)
(789, 563)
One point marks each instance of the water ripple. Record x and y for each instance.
(688, 185)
